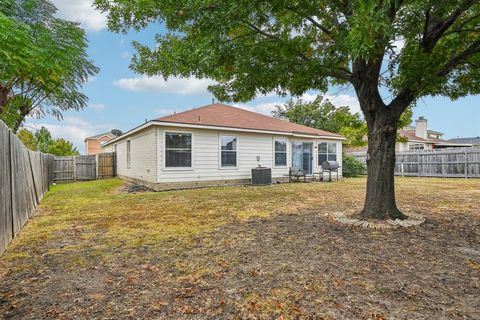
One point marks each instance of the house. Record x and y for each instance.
(93, 144)
(218, 145)
(421, 138)
(474, 141)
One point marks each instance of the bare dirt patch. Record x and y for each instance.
(248, 256)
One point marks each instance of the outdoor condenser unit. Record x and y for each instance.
(261, 176)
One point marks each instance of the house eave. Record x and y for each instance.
(210, 127)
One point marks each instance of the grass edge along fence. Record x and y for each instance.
(445, 163)
(25, 177)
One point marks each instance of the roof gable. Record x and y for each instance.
(98, 136)
(221, 115)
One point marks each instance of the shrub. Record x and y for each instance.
(352, 167)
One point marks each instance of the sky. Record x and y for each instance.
(121, 99)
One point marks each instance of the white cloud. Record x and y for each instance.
(74, 129)
(81, 11)
(263, 108)
(344, 100)
(163, 112)
(126, 55)
(398, 45)
(91, 79)
(184, 86)
(338, 100)
(96, 106)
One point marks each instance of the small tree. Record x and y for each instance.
(62, 147)
(43, 62)
(28, 139)
(256, 47)
(324, 115)
(42, 141)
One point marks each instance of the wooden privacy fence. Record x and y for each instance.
(82, 168)
(453, 163)
(25, 177)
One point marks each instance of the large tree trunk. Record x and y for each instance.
(24, 111)
(380, 198)
(3, 98)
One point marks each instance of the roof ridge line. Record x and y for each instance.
(181, 112)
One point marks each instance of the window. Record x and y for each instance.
(128, 154)
(327, 151)
(178, 150)
(416, 146)
(228, 151)
(280, 153)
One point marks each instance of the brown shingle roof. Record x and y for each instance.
(410, 135)
(98, 136)
(221, 115)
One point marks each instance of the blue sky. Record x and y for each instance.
(119, 98)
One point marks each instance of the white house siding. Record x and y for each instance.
(206, 155)
(405, 146)
(143, 155)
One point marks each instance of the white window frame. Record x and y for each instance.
(327, 153)
(416, 146)
(129, 153)
(220, 135)
(286, 152)
(164, 162)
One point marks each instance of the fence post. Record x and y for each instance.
(418, 163)
(74, 168)
(466, 164)
(114, 159)
(10, 166)
(33, 177)
(96, 166)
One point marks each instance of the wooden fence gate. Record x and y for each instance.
(84, 168)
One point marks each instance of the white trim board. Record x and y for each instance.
(197, 126)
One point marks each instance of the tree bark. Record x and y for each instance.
(380, 198)
(3, 98)
(24, 111)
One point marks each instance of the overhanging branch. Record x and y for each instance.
(338, 73)
(435, 27)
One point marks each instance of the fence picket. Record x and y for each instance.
(83, 168)
(460, 163)
(25, 177)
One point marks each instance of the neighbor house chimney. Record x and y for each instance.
(421, 128)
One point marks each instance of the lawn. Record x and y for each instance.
(95, 251)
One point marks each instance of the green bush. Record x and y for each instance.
(352, 167)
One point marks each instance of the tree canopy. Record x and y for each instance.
(42, 141)
(286, 46)
(392, 52)
(322, 114)
(43, 62)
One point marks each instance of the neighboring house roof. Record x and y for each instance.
(98, 136)
(472, 140)
(222, 117)
(410, 135)
(409, 128)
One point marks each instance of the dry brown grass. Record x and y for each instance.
(195, 252)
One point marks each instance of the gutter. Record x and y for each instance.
(210, 127)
